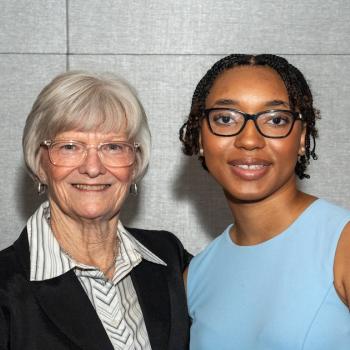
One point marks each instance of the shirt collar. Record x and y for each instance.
(47, 259)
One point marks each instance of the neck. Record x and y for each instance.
(91, 243)
(259, 221)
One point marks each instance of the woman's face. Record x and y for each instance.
(249, 166)
(90, 191)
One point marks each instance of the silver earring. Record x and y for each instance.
(133, 189)
(41, 188)
(201, 152)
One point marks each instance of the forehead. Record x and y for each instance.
(91, 136)
(248, 82)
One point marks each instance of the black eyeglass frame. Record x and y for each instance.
(253, 117)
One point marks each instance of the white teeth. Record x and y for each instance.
(250, 166)
(90, 187)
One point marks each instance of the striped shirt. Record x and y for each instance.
(115, 301)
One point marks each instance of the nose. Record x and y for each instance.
(92, 165)
(249, 138)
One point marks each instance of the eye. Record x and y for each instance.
(277, 119)
(67, 147)
(114, 148)
(224, 118)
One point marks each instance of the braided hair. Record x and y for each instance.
(300, 97)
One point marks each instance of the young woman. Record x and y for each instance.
(279, 277)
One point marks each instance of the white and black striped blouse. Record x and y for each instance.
(115, 301)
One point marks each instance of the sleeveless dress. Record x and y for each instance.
(277, 295)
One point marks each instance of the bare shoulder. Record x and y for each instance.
(342, 266)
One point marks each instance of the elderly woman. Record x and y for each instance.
(76, 278)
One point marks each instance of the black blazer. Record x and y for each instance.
(57, 314)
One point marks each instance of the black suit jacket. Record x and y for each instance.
(57, 313)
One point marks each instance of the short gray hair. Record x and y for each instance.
(85, 101)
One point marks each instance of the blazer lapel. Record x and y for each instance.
(151, 285)
(67, 305)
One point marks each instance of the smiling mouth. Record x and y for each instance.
(250, 163)
(251, 166)
(250, 169)
(84, 187)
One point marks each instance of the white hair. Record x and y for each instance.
(85, 101)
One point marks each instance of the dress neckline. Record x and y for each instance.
(280, 236)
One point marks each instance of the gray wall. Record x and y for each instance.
(163, 48)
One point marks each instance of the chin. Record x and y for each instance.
(245, 196)
(91, 213)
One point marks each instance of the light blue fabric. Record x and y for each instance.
(278, 295)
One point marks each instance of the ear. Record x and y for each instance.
(42, 175)
(133, 172)
(301, 151)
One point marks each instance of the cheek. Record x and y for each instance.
(49, 173)
(57, 174)
(52, 175)
(56, 182)
(214, 145)
(285, 151)
(123, 175)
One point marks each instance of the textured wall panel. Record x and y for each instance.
(209, 27)
(177, 194)
(33, 26)
(165, 47)
(22, 77)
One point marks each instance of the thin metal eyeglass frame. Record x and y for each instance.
(253, 117)
(50, 143)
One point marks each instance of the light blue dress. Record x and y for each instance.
(277, 295)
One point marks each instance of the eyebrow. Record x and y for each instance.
(226, 102)
(274, 103)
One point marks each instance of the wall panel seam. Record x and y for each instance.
(67, 35)
(68, 54)
(33, 53)
(194, 54)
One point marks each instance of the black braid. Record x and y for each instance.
(300, 97)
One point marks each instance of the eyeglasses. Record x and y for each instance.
(272, 124)
(73, 153)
